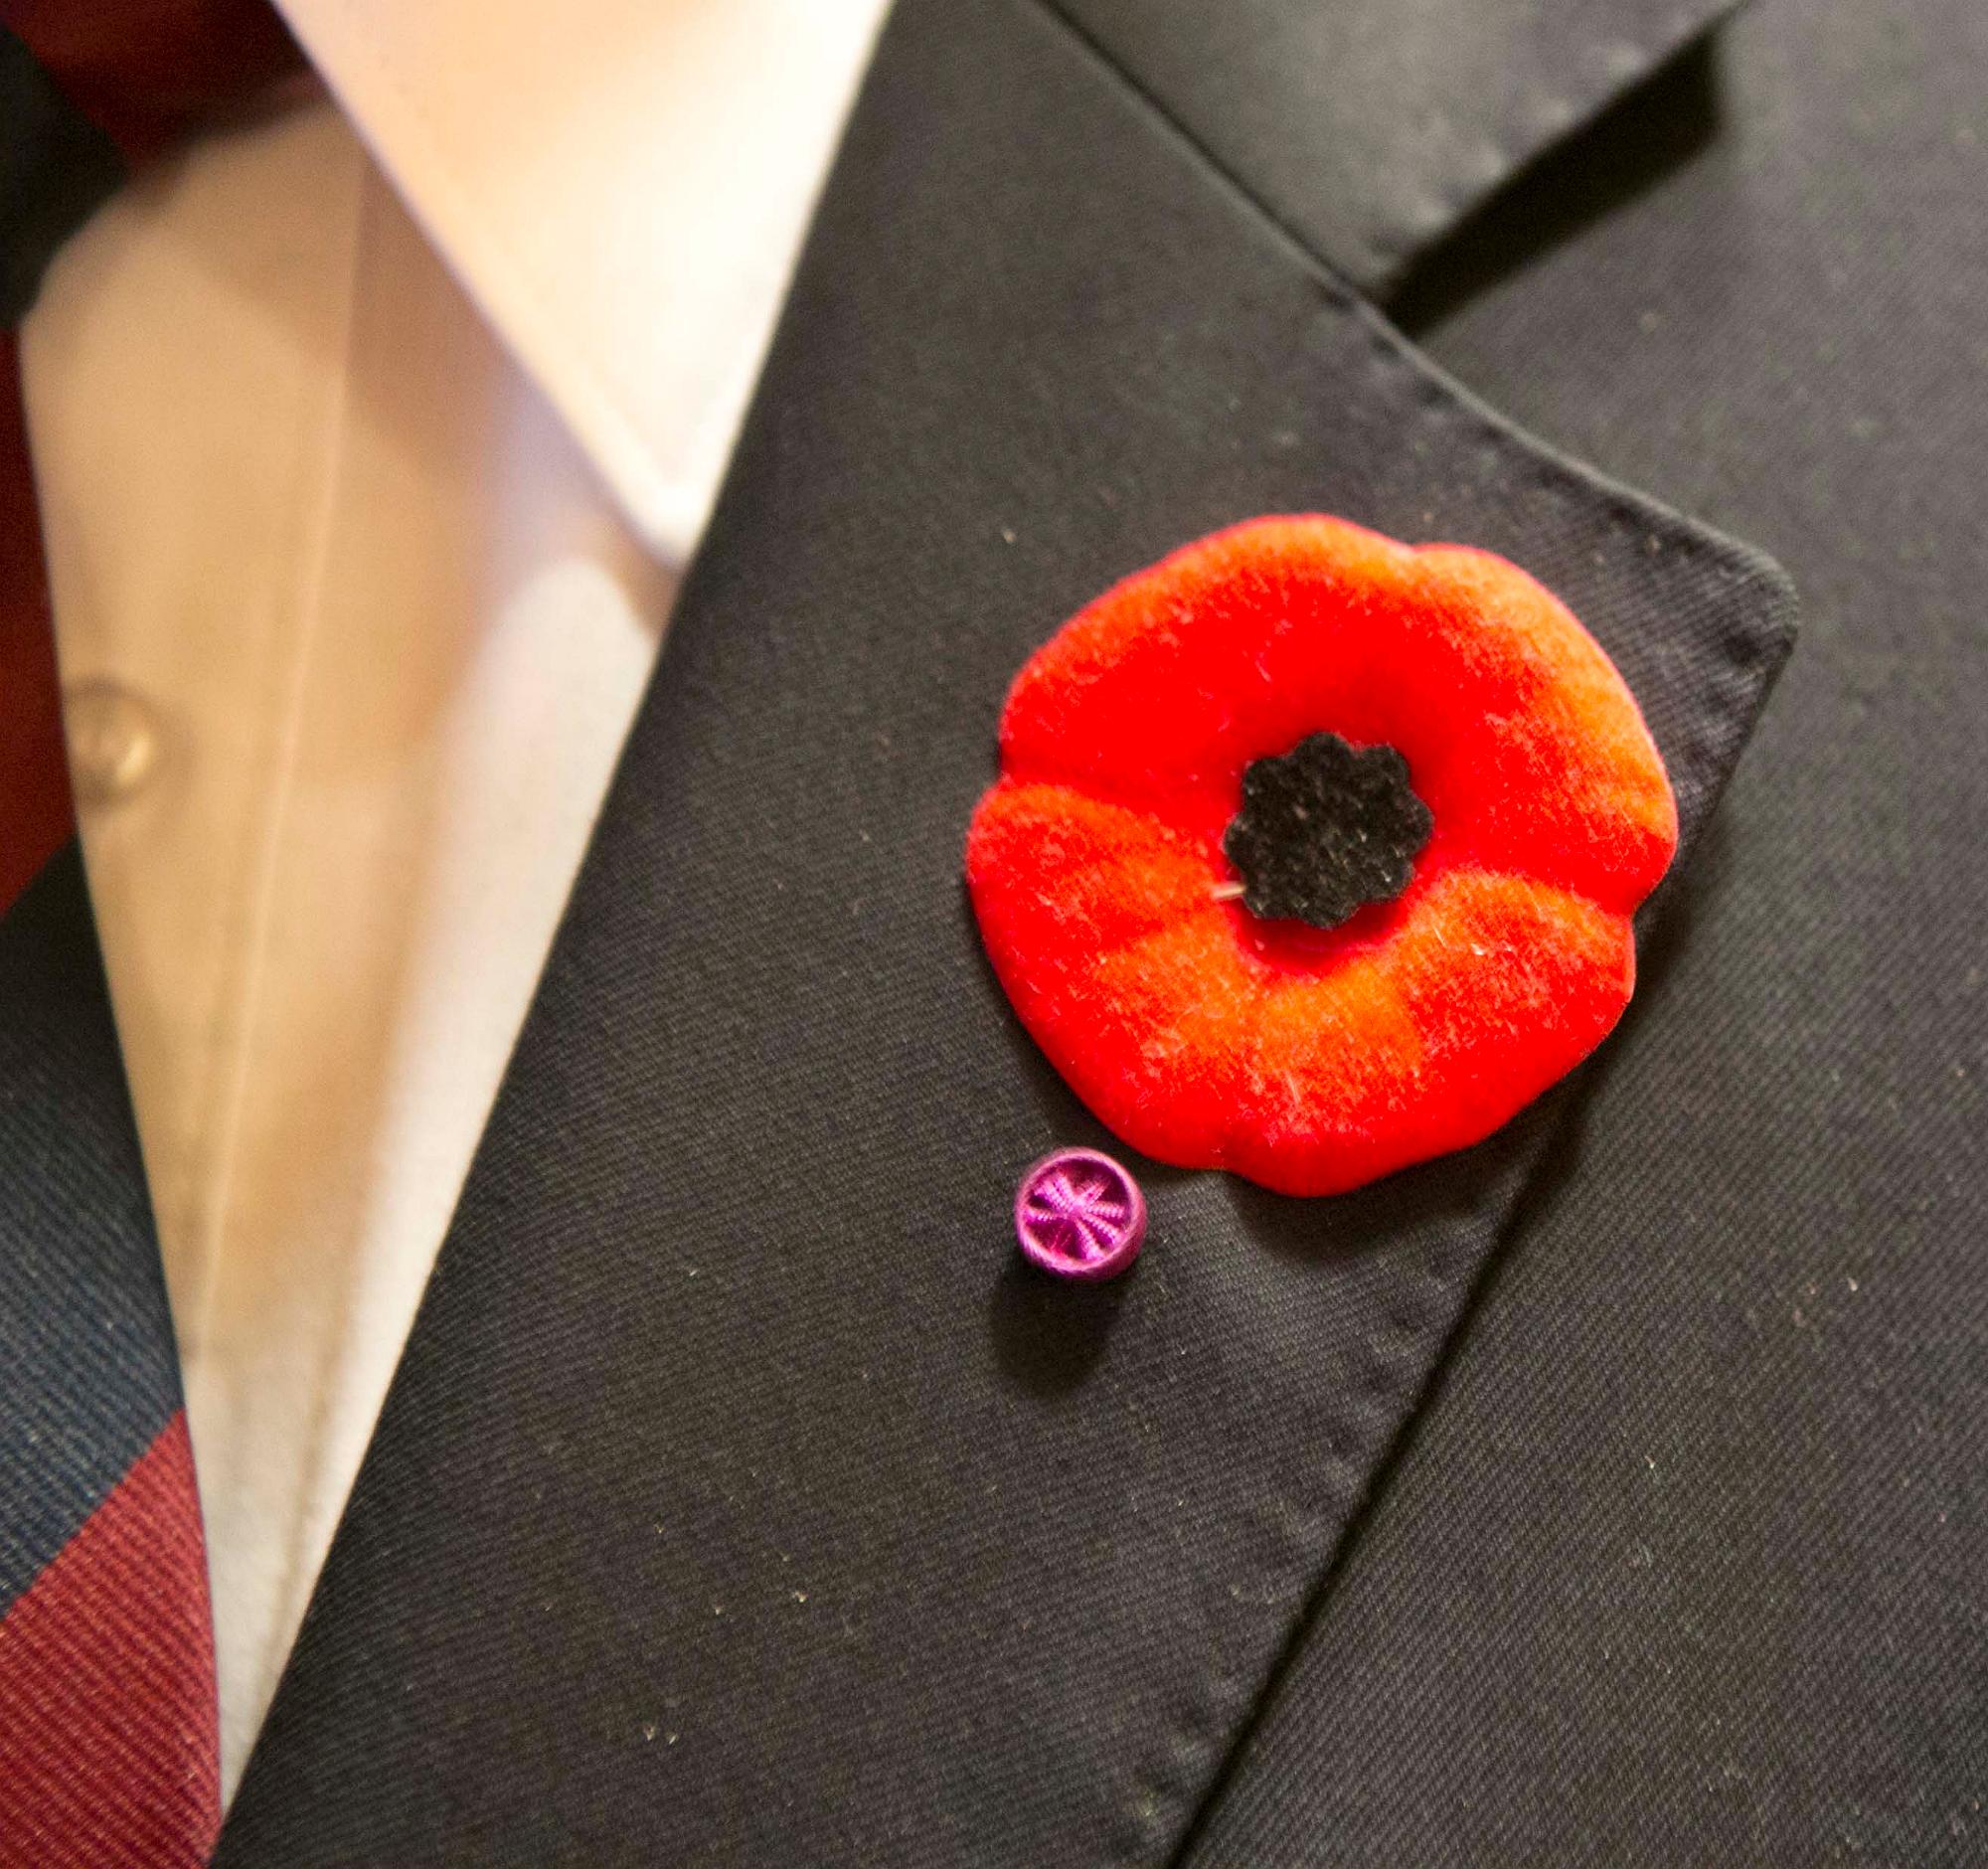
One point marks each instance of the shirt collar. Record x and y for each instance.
(623, 186)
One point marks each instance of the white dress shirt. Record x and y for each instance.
(371, 438)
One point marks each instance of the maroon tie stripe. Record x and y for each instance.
(109, 1751)
(108, 1743)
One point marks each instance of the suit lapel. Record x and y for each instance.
(1372, 127)
(737, 1498)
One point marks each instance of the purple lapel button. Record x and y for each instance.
(1079, 1215)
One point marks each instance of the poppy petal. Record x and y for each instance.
(1111, 947)
(1174, 679)
(1056, 875)
(1568, 787)
(1488, 989)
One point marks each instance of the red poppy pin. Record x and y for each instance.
(1314, 855)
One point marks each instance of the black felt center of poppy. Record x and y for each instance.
(1325, 829)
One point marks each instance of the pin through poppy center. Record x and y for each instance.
(1325, 829)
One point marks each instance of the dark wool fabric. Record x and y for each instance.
(741, 1498)
(1684, 1562)
(1369, 126)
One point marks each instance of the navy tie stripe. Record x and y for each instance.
(88, 1377)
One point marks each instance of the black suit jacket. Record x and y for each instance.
(1606, 1494)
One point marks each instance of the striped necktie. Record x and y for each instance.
(107, 1728)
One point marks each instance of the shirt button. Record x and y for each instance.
(114, 741)
(1079, 1215)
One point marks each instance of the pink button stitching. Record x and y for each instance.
(1079, 1215)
